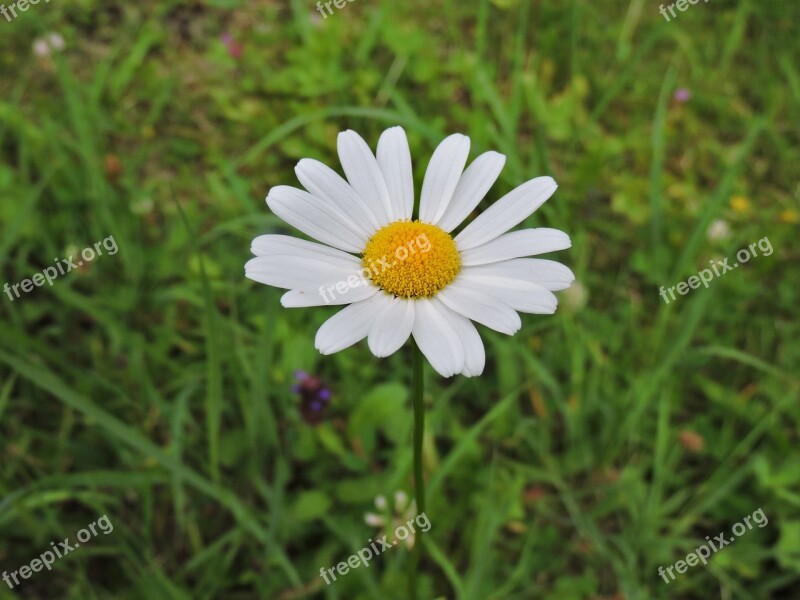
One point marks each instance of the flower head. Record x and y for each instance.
(390, 518)
(740, 204)
(718, 230)
(682, 95)
(401, 276)
(45, 46)
(234, 48)
(314, 396)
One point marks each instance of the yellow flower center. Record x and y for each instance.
(411, 259)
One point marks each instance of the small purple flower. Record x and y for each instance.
(234, 48)
(314, 397)
(682, 95)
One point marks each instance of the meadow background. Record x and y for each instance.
(155, 385)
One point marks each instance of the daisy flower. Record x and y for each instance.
(401, 277)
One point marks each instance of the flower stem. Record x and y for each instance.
(419, 481)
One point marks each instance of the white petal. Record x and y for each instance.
(392, 327)
(349, 325)
(324, 182)
(474, 353)
(520, 295)
(292, 271)
(316, 218)
(373, 520)
(472, 187)
(509, 211)
(364, 175)
(441, 178)
(327, 296)
(394, 160)
(436, 338)
(549, 274)
(266, 245)
(515, 244)
(400, 500)
(481, 308)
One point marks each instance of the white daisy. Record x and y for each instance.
(404, 278)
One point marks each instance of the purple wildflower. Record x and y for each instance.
(682, 95)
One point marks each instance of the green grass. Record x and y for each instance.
(154, 385)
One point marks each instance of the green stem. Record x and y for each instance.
(419, 481)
